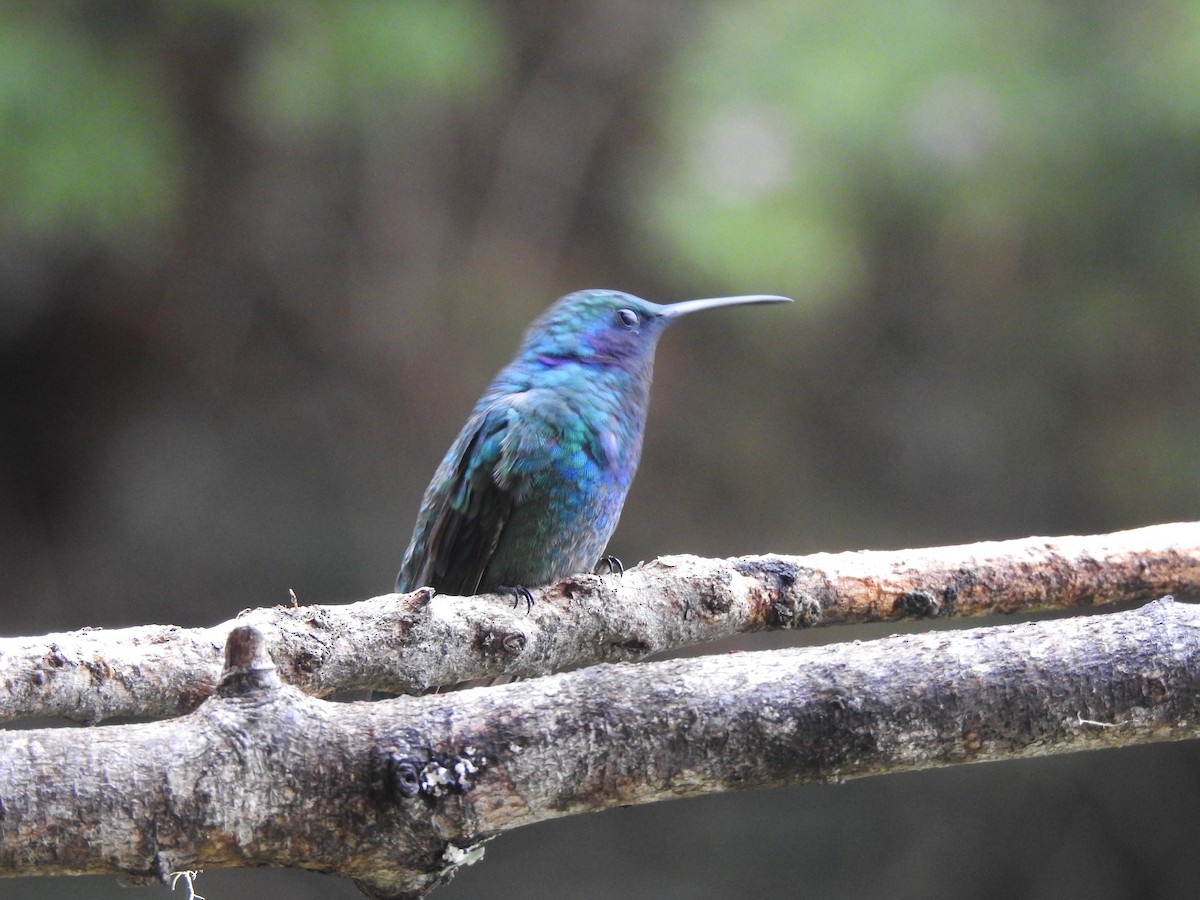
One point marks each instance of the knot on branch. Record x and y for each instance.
(248, 666)
(500, 643)
(403, 775)
(406, 776)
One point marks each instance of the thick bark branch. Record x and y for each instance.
(411, 642)
(398, 794)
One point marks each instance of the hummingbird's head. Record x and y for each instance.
(600, 327)
(611, 328)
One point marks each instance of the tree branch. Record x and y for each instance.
(398, 794)
(414, 641)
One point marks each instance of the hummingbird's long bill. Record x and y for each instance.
(673, 310)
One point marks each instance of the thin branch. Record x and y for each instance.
(411, 642)
(399, 794)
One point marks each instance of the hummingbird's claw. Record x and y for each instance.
(612, 563)
(520, 593)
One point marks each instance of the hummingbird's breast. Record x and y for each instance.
(580, 451)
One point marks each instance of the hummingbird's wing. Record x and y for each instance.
(472, 496)
(463, 512)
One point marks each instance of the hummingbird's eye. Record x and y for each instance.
(628, 318)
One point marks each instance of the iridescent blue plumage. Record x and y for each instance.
(532, 488)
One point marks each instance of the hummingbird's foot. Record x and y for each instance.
(612, 564)
(519, 593)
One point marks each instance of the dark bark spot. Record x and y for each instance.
(950, 598)
(786, 611)
(716, 604)
(769, 569)
(403, 776)
(631, 648)
(499, 643)
(56, 659)
(307, 662)
(920, 603)
(794, 593)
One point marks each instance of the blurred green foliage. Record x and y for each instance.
(792, 125)
(325, 66)
(92, 138)
(88, 144)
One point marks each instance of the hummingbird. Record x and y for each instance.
(532, 488)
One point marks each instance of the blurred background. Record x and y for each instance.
(257, 261)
